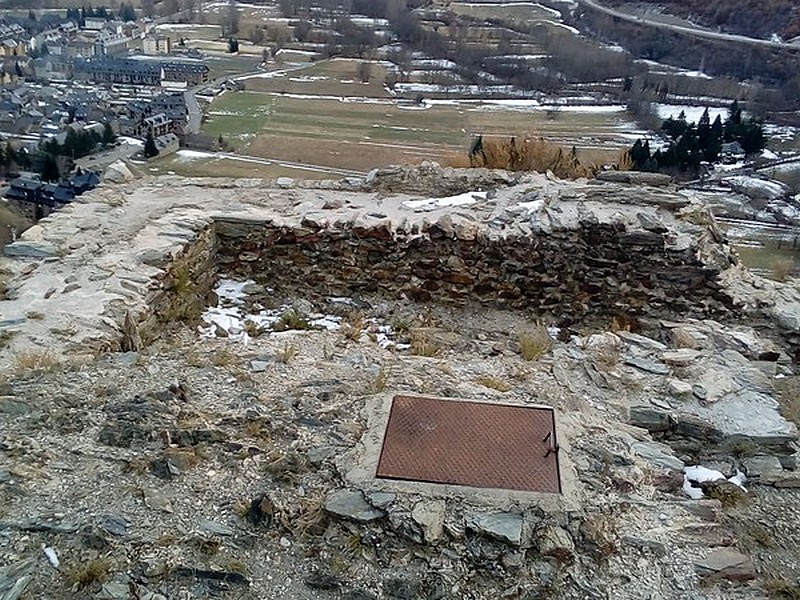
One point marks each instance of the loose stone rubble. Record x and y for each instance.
(148, 454)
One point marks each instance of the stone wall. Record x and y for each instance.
(185, 284)
(571, 274)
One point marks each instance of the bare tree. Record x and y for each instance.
(364, 71)
(231, 23)
(148, 7)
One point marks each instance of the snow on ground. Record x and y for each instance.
(234, 317)
(290, 51)
(699, 474)
(130, 140)
(369, 22)
(179, 26)
(308, 78)
(783, 133)
(563, 26)
(755, 187)
(434, 203)
(434, 63)
(536, 5)
(189, 155)
(503, 57)
(693, 113)
(698, 74)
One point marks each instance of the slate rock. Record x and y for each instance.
(682, 357)
(679, 389)
(156, 500)
(381, 500)
(322, 581)
(658, 455)
(114, 590)
(351, 505)
(215, 528)
(399, 589)
(259, 366)
(649, 418)
(505, 526)
(726, 563)
(15, 578)
(114, 524)
(647, 365)
(556, 542)
(31, 249)
(359, 594)
(640, 340)
(645, 545)
(430, 516)
(766, 468)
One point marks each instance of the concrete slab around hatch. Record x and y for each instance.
(360, 465)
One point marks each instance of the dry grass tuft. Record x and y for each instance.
(224, 357)
(779, 588)
(291, 320)
(381, 381)
(4, 278)
(5, 338)
(526, 154)
(35, 361)
(288, 467)
(494, 383)
(312, 520)
(286, 354)
(422, 345)
(253, 329)
(353, 325)
(781, 269)
(534, 344)
(90, 572)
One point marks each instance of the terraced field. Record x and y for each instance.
(320, 114)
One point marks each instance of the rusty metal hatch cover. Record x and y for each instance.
(461, 442)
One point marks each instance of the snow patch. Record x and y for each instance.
(697, 474)
(458, 200)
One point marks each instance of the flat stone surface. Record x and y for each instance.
(648, 365)
(215, 528)
(682, 357)
(430, 516)
(505, 526)
(649, 418)
(726, 563)
(766, 468)
(681, 390)
(22, 249)
(658, 455)
(351, 505)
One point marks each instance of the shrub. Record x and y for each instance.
(525, 154)
(535, 344)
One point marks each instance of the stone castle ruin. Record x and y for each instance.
(687, 375)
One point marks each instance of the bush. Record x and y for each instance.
(525, 154)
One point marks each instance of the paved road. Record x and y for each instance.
(288, 163)
(700, 33)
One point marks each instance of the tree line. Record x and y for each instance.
(691, 144)
(53, 160)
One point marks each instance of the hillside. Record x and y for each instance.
(757, 18)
